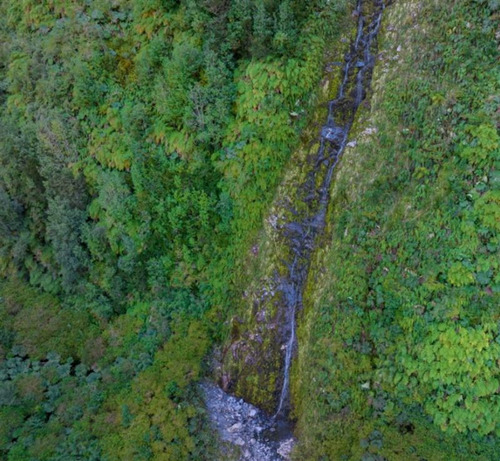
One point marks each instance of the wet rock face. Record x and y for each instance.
(251, 364)
(333, 134)
(258, 437)
(257, 363)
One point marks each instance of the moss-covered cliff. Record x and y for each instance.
(398, 341)
(253, 356)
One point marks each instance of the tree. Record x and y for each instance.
(262, 30)
(286, 29)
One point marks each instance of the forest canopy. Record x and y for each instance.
(140, 144)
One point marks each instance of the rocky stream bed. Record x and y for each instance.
(258, 436)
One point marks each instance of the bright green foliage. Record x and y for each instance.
(458, 368)
(399, 344)
(141, 144)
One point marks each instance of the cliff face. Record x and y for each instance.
(398, 344)
(262, 345)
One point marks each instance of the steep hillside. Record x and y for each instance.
(155, 174)
(141, 143)
(257, 357)
(399, 342)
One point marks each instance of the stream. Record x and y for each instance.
(265, 437)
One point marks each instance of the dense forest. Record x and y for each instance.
(143, 145)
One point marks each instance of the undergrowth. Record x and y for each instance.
(399, 341)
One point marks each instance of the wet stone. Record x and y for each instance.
(332, 133)
(235, 427)
(285, 448)
(246, 427)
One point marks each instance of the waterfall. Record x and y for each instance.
(302, 235)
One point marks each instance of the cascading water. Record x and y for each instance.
(302, 235)
(264, 437)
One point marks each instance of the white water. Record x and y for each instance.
(289, 346)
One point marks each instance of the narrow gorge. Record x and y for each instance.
(262, 347)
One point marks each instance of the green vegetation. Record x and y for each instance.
(142, 143)
(399, 343)
(252, 357)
